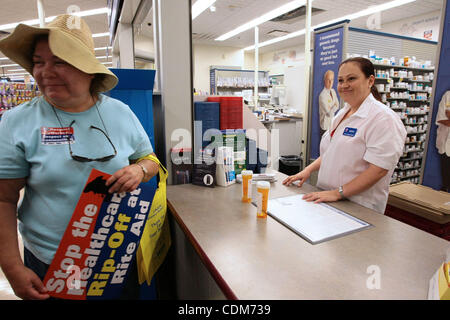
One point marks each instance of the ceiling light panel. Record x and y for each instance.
(263, 18)
(231, 14)
(361, 13)
(199, 6)
(33, 22)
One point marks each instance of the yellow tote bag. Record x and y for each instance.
(155, 241)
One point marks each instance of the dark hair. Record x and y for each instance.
(97, 84)
(36, 39)
(368, 69)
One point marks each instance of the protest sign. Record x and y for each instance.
(100, 242)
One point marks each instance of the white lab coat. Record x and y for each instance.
(443, 132)
(379, 139)
(327, 107)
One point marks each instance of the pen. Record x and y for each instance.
(224, 155)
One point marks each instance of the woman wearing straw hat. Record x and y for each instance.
(50, 144)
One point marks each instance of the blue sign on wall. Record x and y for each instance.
(432, 176)
(328, 54)
(135, 88)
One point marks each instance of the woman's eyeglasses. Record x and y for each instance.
(84, 159)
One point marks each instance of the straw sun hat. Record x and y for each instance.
(69, 38)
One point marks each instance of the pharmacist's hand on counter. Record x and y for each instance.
(322, 196)
(301, 177)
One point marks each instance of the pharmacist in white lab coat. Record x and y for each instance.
(328, 102)
(443, 139)
(358, 154)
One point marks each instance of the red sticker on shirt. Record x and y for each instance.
(51, 135)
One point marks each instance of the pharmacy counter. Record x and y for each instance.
(224, 251)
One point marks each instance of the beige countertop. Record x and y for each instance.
(251, 258)
(282, 119)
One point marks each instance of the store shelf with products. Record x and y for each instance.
(233, 81)
(407, 91)
(14, 93)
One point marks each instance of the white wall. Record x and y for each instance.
(290, 63)
(175, 72)
(144, 43)
(277, 62)
(205, 56)
(415, 27)
(294, 80)
(249, 61)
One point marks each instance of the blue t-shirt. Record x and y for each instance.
(33, 145)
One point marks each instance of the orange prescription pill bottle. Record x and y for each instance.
(247, 176)
(262, 188)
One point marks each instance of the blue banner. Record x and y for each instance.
(135, 89)
(328, 54)
(432, 176)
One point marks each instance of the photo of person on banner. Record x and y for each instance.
(443, 139)
(51, 143)
(328, 102)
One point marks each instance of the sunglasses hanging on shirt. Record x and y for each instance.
(85, 159)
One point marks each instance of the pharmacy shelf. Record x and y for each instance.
(399, 88)
(407, 117)
(388, 66)
(235, 80)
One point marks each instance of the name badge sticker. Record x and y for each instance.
(349, 132)
(55, 136)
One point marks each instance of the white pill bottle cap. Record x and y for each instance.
(263, 185)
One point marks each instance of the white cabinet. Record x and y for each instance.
(289, 137)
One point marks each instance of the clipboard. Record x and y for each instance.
(313, 222)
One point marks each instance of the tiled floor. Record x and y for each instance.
(6, 293)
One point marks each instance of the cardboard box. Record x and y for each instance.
(421, 200)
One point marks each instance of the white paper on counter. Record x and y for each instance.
(313, 222)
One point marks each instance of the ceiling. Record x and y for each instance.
(229, 14)
(15, 11)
